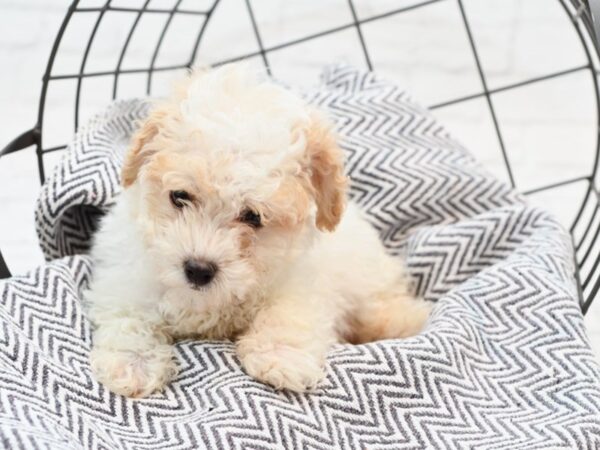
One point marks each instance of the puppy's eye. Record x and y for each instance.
(179, 198)
(251, 218)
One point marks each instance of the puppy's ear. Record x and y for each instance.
(138, 151)
(326, 161)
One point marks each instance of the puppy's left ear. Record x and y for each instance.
(326, 162)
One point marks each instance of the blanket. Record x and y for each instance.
(504, 361)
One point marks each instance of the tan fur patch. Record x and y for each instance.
(388, 315)
(290, 205)
(327, 172)
(138, 153)
(246, 240)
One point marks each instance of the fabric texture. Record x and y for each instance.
(503, 363)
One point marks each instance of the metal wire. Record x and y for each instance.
(363, 45)
(45, 84)
(143, 9)
(587, 259)
(4, 272)
(126, 46)
(209, 14)
(159, 45)
(486, 93)
(261, 47)
(84, 60)
(511, 86)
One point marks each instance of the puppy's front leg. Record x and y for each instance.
(287, 343)
(132, 355)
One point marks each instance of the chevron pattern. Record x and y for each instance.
(504, 362)
(86, 181)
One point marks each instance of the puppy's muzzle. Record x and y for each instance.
(199, 273)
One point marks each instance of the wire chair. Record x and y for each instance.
(585, 226)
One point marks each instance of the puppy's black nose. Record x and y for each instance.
(199, 273)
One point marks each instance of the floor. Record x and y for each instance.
(548, 127)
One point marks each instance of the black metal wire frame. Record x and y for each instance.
(581, 12)
(4, 272)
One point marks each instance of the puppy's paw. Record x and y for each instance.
(131, 373)
(280, 365)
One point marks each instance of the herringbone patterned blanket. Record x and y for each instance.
(504, 362)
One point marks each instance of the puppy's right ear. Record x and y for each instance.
(139, 150)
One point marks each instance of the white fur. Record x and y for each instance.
(285, 292)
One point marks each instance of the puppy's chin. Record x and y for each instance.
(187, 299)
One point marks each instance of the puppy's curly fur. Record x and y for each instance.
(233, 224)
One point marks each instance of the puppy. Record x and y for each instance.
(233, 225)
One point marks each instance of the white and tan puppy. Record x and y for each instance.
(232, 225)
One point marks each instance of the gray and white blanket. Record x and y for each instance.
(503, 363)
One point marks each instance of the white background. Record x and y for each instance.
(549, 127)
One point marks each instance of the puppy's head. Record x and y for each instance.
(232, 178)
